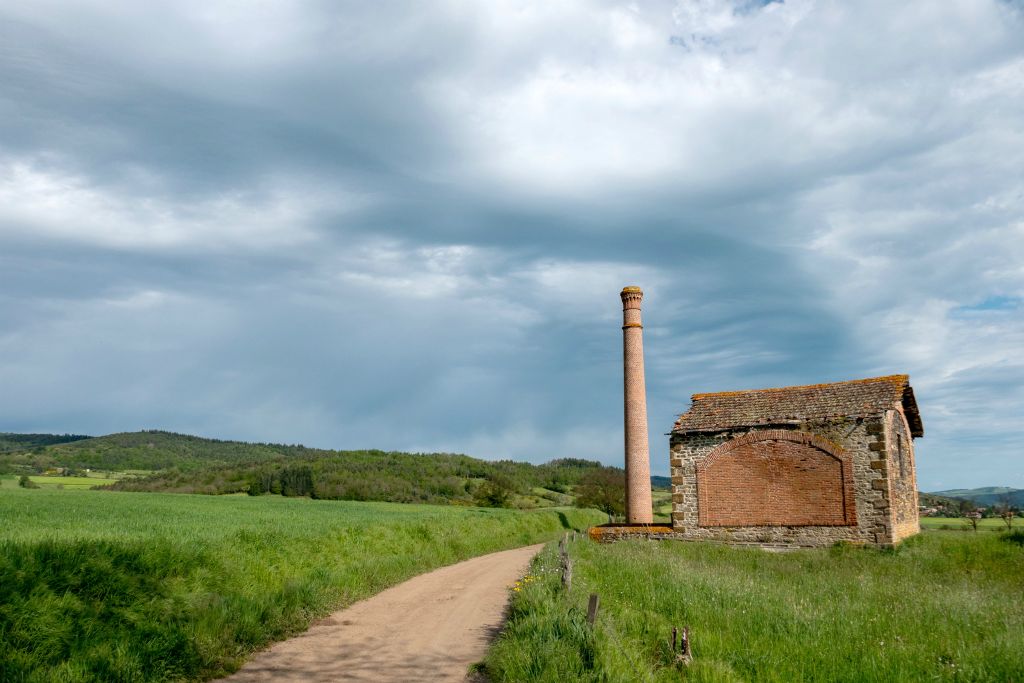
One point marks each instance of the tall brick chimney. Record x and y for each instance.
(638, 459)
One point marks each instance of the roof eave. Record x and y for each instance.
(912, 412)
(727, 427)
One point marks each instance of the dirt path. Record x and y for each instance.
(430, 628)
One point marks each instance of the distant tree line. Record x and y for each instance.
(10, 443)
(374, 475)
(190, 464)
(147, 451)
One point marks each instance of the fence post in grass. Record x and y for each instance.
(563, 552)
(592, 610)
(685, 655)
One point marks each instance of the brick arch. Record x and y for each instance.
(776, 477)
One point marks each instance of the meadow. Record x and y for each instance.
(942, 606)
(662, 501)
(959, 523)
(103, 586)
(44, 481)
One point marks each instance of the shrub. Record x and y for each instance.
(604, 489)
(494, 493)
(1015, 536)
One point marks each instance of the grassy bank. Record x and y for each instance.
(101, 586)
(944, 606)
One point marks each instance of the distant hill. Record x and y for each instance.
(165, 461)
(986, 495)
(379, 475)
(658, 482)
(147, 450)
(935, 500)
(10, 443)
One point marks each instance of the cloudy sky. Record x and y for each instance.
(405, 225)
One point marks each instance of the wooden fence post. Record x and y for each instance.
(566, 563)
(592, 609)
(684, 655)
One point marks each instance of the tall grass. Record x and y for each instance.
(942, 606)
(101, 586)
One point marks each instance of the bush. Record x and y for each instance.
(1015, 536)
(297, 481)
(26, 483)
(604, 489)
(494, 493)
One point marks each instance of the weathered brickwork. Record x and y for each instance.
(775, 477)
(638, 459)
(804, 481)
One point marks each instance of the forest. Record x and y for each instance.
(178, 463)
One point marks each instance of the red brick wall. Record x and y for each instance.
(776, 478)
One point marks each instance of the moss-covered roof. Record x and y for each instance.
(856, 398)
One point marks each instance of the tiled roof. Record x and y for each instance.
(856, 398)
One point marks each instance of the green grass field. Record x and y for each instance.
(662, 501)
(943, 606)
(103, 586)
(10, 481)
(958, 523)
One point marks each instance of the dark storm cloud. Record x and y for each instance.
(405, 225)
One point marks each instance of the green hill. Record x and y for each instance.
(145, 451)
(986, 495)
(164, 461)
(660, 482)
(11, 443)
(379, 475)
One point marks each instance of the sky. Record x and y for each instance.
(405, 225)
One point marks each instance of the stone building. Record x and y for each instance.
(805, 466)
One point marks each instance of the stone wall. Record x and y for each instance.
(902, 475)
(868, 516)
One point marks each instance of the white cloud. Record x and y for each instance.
(423, 213)
(43, 201)
(706, 96)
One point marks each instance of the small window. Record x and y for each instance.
(899, 456)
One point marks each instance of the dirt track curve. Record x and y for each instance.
(430, 628)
